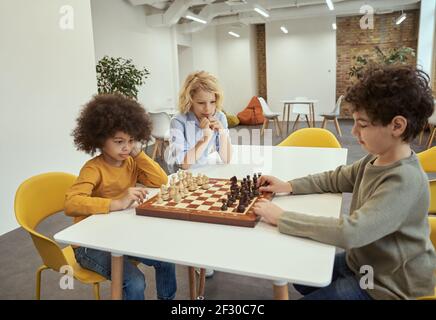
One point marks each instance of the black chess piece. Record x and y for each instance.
(224, 206)
(240, 208)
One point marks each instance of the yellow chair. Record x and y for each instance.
(38, 198)
(311, 137)
(432, 222)
(427, 159)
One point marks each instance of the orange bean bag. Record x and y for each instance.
(252, 114)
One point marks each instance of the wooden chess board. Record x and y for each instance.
(204, 206)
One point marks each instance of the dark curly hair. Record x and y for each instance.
(107, 114)
(384, 92)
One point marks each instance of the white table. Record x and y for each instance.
(260, 252)
(287, 103)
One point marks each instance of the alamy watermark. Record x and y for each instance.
(66, 20)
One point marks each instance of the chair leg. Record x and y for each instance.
(307, 121)
(262, 131)
(338, 128)
(155, 149)
(96, 288)
(296, 122)
(278, 128)
(324, 123)
(38, 281)
(431, 137)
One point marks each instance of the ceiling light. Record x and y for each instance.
(261, 11)
(334, 26)
(401, 18)
(284, 30)
(234, 34)
(195, 19)
(330, 4)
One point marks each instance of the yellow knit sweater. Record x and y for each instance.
(99, 183)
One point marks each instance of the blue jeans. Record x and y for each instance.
(344, 285)
(133, 279)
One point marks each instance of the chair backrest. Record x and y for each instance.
(432, 208)
(311, 137)
(36, 199)
(161, 124)
(265, 108)
(337, 110)
(300, 108)
(427, 159)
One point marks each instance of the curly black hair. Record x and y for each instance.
(107, 114)
(384, 92)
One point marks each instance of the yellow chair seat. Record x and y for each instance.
(81, 274)
(311, 137)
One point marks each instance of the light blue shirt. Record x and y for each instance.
(185, 132)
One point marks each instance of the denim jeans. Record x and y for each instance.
(133, 279)
(344, 285)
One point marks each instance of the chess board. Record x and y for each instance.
(204, 206)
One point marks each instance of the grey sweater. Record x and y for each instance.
(387, 228)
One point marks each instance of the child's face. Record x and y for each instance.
(118, 147)
(203, 104)
(374, 138)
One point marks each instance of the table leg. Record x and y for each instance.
(313, 114)
(287, 121)
(117, 277)
(280, 290)
(192, 283)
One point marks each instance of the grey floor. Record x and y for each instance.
(19, 259)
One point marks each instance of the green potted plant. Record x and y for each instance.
(119, 75)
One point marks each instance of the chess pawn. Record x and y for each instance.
(177, 198)
(192, 186)
(206, 186)
(159, 198)
(199, 180)
(172, 192)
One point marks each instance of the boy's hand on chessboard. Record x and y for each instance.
(273, 184)
(270, 212)
(132, 198)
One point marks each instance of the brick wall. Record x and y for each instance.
(352, 41)
(261, 60)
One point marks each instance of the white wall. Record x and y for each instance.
(205, 50)
(235, 67)
(46, 75)
(302, 62)
(120, 30)
(426, 38)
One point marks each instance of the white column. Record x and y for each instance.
(426, 36)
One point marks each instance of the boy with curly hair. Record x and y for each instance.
(387, 228)
(115, 125)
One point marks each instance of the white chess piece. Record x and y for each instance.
(159, 198)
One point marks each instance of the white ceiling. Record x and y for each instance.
(164, 13)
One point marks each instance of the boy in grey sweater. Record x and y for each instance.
(387, 230)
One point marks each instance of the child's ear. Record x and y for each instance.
(399, 125)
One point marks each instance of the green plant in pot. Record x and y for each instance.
(119, 75)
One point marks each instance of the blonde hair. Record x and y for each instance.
(199, 80)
